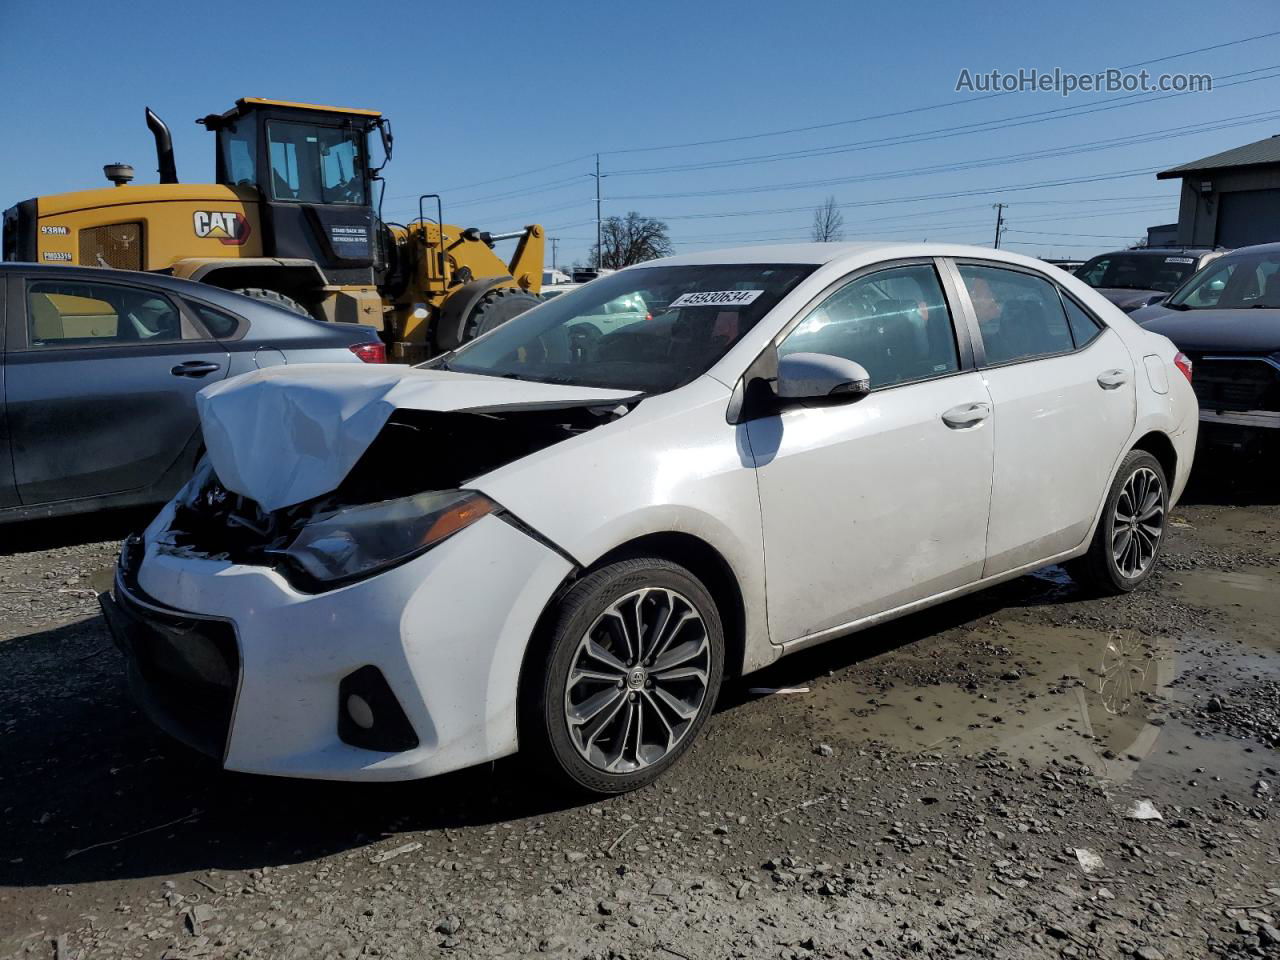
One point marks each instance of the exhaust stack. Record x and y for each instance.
(167, 168)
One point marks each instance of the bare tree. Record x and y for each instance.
(828, 222)
(631, 239)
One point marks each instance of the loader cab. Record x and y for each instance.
(310, 167)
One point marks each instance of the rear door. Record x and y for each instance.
(101, 386)
(1063, 389)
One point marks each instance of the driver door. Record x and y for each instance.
(872, 505)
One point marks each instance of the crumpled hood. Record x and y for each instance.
(287, 434)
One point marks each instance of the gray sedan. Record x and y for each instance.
(100, 371)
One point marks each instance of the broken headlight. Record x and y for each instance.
(357, 542)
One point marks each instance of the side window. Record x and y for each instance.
(1020, 315)
(1095, 272)
(895, 323)
(221, 326)
(1084, 329)
(83, 314)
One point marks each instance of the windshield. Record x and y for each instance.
(315, 164)
(1233, 282)
(650, 329)
(1138, 271)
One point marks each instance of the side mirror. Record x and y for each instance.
(821, 376)
(1158, 298)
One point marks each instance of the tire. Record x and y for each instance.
(587, 730)
(1100, 571)
(271, 296)
(494, 309)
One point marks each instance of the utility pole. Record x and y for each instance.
(599, 222)
(999, 208)
(554, 244)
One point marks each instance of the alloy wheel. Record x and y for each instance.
(1138, 523)
(638, 680)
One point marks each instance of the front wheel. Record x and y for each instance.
(1131, 531)
(628, 674)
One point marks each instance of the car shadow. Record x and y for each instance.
(1225, 477)
(90, 791)
(32, 535)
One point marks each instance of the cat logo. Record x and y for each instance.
(227, 227)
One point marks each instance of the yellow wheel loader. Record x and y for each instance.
(291, 219)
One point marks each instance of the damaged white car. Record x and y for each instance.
(562, 537)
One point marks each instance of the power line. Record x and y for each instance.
(999, 160)
(912, 110)
(822, 126)
(943, 133)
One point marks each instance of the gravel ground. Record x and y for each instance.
(1024, 773)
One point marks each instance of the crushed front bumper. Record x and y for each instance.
(233, 660)
(183, 670)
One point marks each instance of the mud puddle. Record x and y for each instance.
(1115, 701)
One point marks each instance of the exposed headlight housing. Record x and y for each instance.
(357, 542)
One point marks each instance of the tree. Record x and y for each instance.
(630, 239)
(828, 222)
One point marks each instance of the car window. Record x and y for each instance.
(895, 323)
(1020, 315)
(220, 325)
(1239, 281)
(1084, 328)
(71, 313)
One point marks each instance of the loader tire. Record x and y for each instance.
(271, 296)
(495, 308)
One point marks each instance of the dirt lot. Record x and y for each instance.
(961, 783)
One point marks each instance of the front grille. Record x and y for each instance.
(1236, 383)
(183, 670)
(116, 245)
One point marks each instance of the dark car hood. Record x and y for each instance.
(1210, 331)
(1124, 298)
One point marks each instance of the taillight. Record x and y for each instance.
(374, 351)
(1183, 363)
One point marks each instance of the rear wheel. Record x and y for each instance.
(1131, 532)
(271, 296)
(629, 674)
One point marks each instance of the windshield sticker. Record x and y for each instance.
(715, 298)
(1179, 260)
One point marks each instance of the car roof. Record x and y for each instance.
(854, 254)
(1159, 252)
(1256, 248)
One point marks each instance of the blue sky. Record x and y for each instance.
(523, 95)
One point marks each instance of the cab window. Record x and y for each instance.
(315, 164)
(239, 153)
(895, 323)
(98, 314)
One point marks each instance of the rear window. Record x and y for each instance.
(221, 326)
(1138, 271)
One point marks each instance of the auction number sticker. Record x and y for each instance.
(1179, 260)
(716, 298)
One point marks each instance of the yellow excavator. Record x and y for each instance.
(291, 219)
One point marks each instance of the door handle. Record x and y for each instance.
(195, 368)
(1110, 379)
(966, 415)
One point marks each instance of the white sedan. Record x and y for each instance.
(564, 543)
